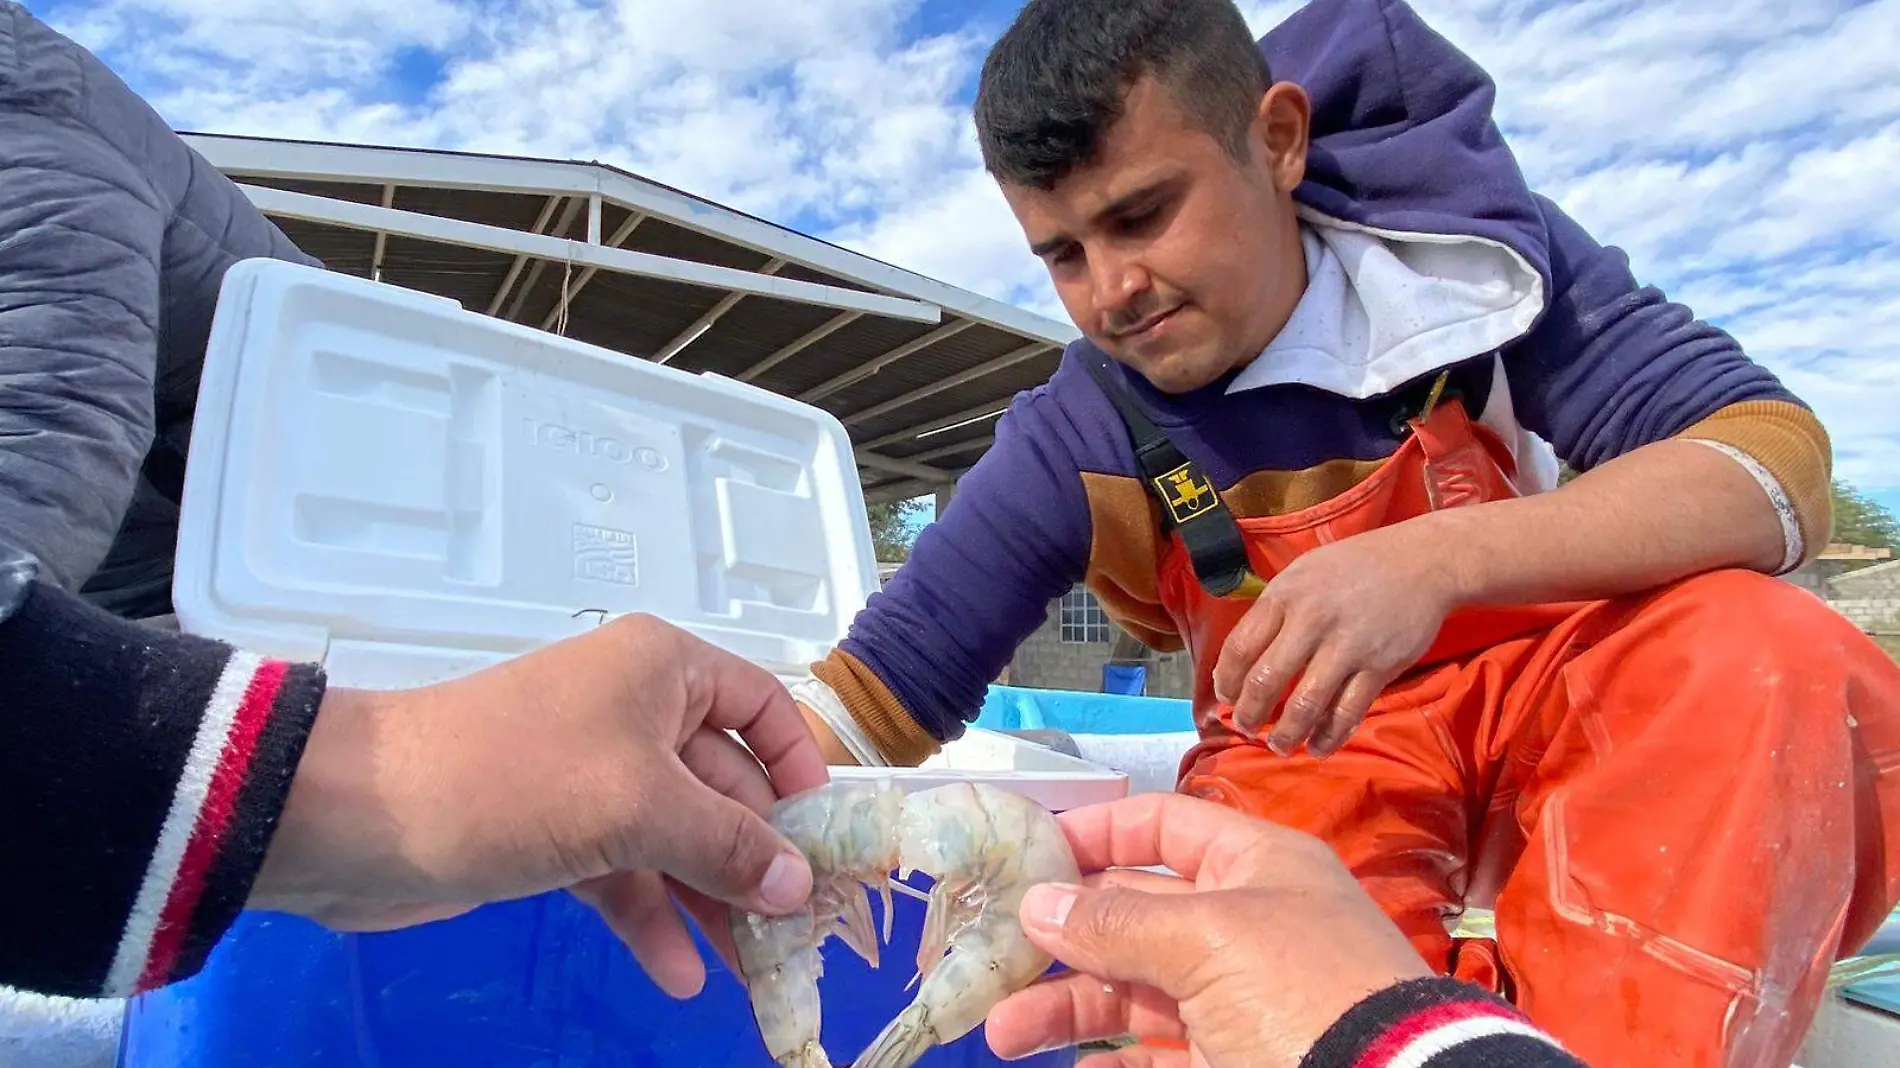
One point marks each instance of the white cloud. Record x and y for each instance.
(1746, 153)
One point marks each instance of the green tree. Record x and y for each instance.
(891, 523)
(1860, 520)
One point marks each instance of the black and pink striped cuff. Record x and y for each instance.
(1435, 1023)
(141, 777)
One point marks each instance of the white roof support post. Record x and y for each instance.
(382, 239)
(618, 238)
(514, 269)
(830, 327)
(1006, 360)
(705, 322)
(878, 363)
(369, 217)
(593, 219)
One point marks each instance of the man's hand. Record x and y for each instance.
(1249, 957)
(1345, 619)
(601, 763)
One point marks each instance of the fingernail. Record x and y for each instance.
(1048, 905)
(787, 881)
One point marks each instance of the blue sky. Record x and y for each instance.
(1746, 153)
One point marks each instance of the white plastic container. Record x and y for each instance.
(408, 491)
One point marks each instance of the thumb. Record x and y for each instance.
(1112, 932)
(724, 850)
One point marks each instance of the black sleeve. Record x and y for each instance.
(141, 777)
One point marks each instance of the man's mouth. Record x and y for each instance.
(1146, 325)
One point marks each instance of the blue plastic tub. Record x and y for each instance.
(1010, 708)
(539, 983)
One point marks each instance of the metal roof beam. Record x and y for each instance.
(568, 215)
(830, 327)
(1008, 359)
(615, 240)
(899, 491)
(705, 322)
(902, 467)
(514, 269)
(953, 449)
(967, 415)
(370, 217)
(878, 363)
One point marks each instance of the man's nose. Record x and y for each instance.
(1118, 281)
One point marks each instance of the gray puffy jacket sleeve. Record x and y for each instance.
(80, 236)
(114, 240)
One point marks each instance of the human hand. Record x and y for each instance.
(600, 763)
(1262, 943)
(1346, 619)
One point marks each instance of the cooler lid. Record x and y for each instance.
(408, 490)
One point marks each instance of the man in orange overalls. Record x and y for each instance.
(1327, 333)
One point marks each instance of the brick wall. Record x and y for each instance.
(1870, 614)
(1880, 582)
(1869, 596)
(1046, 662)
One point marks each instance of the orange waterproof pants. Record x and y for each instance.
(1682, 806)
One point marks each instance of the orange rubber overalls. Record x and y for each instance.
(1684, 805)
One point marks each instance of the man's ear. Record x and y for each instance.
(1281, 126)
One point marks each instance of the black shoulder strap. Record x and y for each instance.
(1189, 502)
(165, 469)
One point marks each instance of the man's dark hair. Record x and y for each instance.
(1056, 81)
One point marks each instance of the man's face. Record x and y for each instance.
(1172, 256)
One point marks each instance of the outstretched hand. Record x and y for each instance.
(601, 763)
(1260, 944)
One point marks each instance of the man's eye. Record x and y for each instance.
(1140, 220)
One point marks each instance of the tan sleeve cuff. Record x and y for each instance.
(877, 711)
(1793, 446)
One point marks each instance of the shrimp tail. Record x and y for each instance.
(902, 1042)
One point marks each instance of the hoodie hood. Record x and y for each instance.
(1403, 140)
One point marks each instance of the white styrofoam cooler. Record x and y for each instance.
(409, 491)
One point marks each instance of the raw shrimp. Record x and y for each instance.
(985, 847)
(848, 831)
